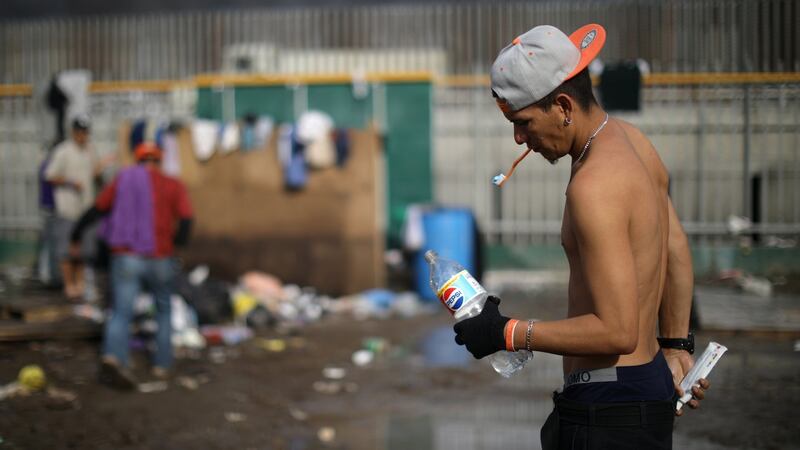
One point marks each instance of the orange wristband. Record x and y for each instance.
(511, 325)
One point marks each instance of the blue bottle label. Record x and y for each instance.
(458, 290)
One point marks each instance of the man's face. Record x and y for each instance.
(80, 136)
(540, 130)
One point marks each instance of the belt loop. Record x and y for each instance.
(592, 417)
(643, 410)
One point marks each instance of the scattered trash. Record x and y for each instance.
(32, 377)
(12, 390)
(376, 345)
(198, 275)
(152, 387)
(235, 417)
(298, 414)
(797, 346)
(748, 283)
(188, 383)
(737, 224)
(225, 334)
(756, 285)
(192, 383)
(362, 358)
(90, 312)
(189, 338)
(327, 387)
(61, 399)
(242, 303)
(262, 286)
(326, 434)
(776, 242)
(272, 345)
(334, 373)
(217, 355)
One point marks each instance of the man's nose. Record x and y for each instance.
(520, 136)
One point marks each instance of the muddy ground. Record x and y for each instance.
(419, 393)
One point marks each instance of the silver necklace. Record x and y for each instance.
(588, 142)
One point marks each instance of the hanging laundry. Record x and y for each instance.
(263, 131)
(314, 131)
(147, 130)
(229, 137)
(204, 138)
(137, 134)
(342, 146)
(171, 159)
(292, 158)
(248, 137)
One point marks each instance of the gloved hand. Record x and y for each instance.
(483, 334)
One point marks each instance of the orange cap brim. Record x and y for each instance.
(590, 40)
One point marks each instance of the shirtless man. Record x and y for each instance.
(630, 269)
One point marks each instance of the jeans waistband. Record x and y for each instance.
(609, 374)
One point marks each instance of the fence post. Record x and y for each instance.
(700, 139)
(746, 154)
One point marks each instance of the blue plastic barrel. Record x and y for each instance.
(450, 232)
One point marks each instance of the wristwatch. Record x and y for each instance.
(678, 343)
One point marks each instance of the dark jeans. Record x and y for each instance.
(645, 425)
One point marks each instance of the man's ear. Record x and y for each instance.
(566, 106)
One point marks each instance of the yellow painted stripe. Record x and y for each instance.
(103, 87)
(209, 80)
(721, 78)
(16, 90)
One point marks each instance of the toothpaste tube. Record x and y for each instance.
(498, 179)
(702, 367)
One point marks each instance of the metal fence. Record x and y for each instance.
(672, 35)
(23, 145)
(731, 150)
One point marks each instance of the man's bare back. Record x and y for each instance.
(627, 165)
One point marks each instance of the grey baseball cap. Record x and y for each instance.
(538, 61)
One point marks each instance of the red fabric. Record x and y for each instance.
(170, 204)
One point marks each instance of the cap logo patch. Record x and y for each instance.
(587, 40)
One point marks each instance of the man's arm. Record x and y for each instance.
(676, 306)
(599, 219)
(676, 303)
(183, 209)
(182, 234)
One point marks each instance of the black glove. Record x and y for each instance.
(483, 334)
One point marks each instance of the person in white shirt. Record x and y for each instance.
(72, 171)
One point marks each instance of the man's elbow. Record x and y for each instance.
(624, 342)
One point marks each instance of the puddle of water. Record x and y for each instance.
(439, 349)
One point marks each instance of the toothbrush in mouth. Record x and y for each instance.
(498, 180)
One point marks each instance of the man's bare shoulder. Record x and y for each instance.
(613, 175)
(646, 151)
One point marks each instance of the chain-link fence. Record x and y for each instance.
(731, 150)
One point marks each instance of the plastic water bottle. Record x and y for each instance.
(464, 297)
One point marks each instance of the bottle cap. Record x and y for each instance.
(430, 256)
